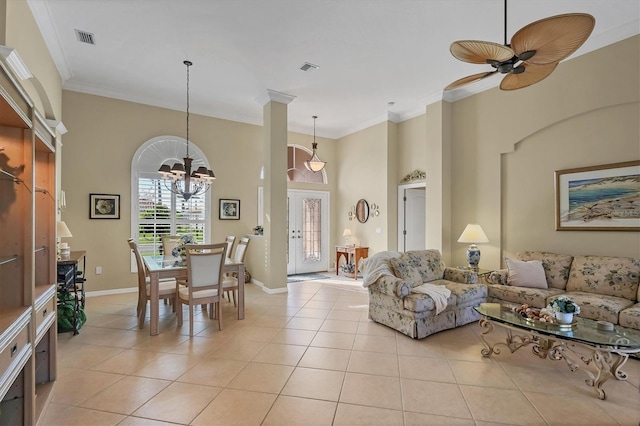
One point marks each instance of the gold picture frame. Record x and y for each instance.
(598, 198)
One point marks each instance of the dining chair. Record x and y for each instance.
(230, 240)
(166, 287)
(169, 242)
(230, 282)
(205, 265)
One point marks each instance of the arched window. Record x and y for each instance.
(296, 171)
(155, 210)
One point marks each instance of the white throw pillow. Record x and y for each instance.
(526, 273)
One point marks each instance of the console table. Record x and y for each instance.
(351, 251)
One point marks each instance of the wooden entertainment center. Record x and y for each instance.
(28, 332)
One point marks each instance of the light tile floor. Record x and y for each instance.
(311, 356)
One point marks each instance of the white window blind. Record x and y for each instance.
(162, 212)
(155, 210)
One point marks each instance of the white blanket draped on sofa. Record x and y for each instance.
(376, 266)
(438, 293)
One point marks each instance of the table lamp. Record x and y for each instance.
(62, 231)
(473, 234)
(346, 234)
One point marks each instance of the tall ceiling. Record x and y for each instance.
(378, 59)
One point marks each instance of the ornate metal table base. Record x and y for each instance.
(607, 359)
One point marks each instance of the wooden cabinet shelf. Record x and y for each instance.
(28, 332)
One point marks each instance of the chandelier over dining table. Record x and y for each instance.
(179, 179)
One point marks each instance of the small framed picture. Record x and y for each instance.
(229, 209)
(104, 206)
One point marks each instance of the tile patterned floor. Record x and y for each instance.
(311, 356)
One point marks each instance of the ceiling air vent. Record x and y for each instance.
(308, 67)
(85, 37)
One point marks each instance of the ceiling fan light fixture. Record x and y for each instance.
(535, 49)
(530, 75)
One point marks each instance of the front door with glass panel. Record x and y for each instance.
(308, 231)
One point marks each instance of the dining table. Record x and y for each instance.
(160, 267)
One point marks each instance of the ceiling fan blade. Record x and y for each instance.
(478, 52)
(553, 38)
(531, 75)
(469, 79)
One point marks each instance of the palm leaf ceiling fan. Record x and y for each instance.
(533, 54)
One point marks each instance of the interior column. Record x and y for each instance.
(438, 168)
(275, 190)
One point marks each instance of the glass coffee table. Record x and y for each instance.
(607, 350)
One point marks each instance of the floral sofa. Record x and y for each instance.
(606, 288)
(399, 298)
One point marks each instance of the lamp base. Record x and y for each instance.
(473, 256)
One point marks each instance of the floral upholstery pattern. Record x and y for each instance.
(405, 271)
(429, 264)
(630, 317)
(499, 277)
(392, 286)
(605, 288)
(466, 294)
(418, 302)
(460, 275)
(391, 302)
(556, 266)
(598, 306)
(612, 276)
(466, 315)
(461, 295)
(536, 297)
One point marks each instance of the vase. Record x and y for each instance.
(564, 317)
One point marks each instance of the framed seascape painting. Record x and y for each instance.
(229, 209)
(104, 206)
(599, 198)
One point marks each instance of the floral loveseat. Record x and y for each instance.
(400, 299)
(606, 288)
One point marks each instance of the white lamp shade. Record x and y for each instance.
(63, 230)
(473, 233)
(347, 232)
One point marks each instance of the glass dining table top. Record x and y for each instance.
(160, 262)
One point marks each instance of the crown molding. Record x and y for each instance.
(275, 96)
(42, 16)
(16, 63)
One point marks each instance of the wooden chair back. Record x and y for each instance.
(230, 240)
(241, 249)
(169, 242)
(142, 269)
(205, 264)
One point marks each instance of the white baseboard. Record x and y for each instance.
(135, 289)
(269, 290)
(110, 292)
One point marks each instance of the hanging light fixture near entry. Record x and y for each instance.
(314, 164)
(179, 179)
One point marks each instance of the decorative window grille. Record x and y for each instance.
(312, 229)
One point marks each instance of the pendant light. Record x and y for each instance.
(179, 179)
(314, 164)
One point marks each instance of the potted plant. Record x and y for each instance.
(258, 230)
(564, 309)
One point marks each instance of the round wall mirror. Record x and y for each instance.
(362, 210)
